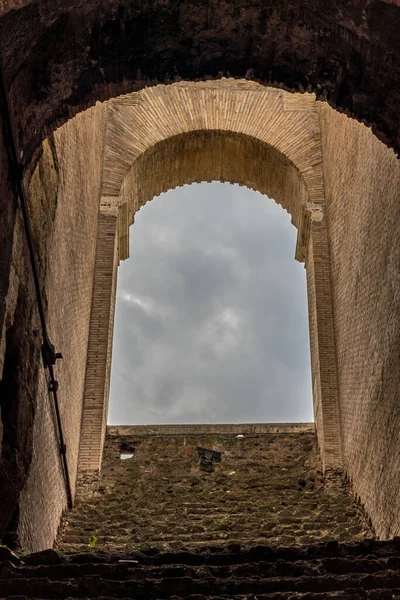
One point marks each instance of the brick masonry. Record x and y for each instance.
(74, 175)
(230, 131)
(322, 344)
(98, 367)
(362, 183)
(359, 179)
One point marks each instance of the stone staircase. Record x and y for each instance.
(262, 524)
(267, 489)
(362, 570)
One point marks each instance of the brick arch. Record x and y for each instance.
(61, 57)
(271, 127)
(239, 132)
(208, 155)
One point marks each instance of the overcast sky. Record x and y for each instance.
(211, 319)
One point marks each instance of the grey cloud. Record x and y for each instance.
(211, 321)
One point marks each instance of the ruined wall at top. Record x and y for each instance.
(69, 173)
(362, 188)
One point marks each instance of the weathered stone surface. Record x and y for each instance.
(268, 488)
(45, 557)
(365, 570)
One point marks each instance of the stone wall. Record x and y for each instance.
(69, 172)
(122, 431)
(268, 488)
(362, 183)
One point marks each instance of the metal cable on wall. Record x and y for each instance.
(49, 355)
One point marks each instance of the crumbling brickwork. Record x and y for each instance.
(268, 488)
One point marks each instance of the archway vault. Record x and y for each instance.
(61, 58)
(239, 132)
(273, 137)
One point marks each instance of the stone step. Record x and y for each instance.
(349, 594)
(238, 554)
(327, 517)
(213, 502)
(193, 542)
(209, 524)
(196, 531)
(131, 571)
(214, 507)
(368, 569)
(168, 587)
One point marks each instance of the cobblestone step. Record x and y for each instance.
(96, 585)
(140, 572)
(349, 594)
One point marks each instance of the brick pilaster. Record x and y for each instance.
(322, 343)
(97, 383)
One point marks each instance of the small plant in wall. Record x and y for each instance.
(92, 541)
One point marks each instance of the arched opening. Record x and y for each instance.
(339, 173)
(211, 313)
(221, 138)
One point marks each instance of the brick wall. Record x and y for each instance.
(98, 369)
(322, 343)
(69, 279)
(362, 181)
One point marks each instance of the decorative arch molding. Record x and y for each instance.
(239, 132)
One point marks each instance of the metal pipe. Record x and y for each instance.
(49, 355)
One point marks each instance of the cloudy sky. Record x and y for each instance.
(211, 319)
